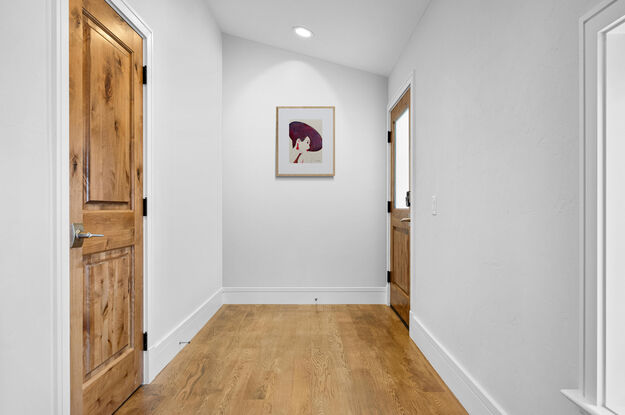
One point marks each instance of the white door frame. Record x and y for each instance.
(593, 27)
(408, 84)
(59, 125)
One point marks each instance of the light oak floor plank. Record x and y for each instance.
(298, 359)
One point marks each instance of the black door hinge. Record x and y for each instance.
(388, 276)
(145, 75)
(388, 206)
(388, 138)
(145, 206)
(145, 341)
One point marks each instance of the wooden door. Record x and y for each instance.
(400, 208)
(106, 191)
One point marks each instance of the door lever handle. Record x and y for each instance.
(405, 220)
(87, 235)
(78, 235)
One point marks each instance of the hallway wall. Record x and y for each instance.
(185, 204)
(496, 272)
(301, 232)
(186, 199)
(27, 361)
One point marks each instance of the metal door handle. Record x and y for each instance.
(78, 235)
(405, 220)
(87, 235)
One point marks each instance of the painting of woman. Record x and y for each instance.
(306, 142)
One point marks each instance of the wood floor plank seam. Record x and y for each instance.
(298, 359)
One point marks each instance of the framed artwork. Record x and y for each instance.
(305, 141)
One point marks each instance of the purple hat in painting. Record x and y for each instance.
(298, 129)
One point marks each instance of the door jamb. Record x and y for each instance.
(593, 27)
(60, 192)
(404, 86)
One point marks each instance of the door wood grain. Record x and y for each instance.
(106, 191)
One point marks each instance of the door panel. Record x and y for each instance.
(118, 230)
(401, 243)
(400, 210)
(106, 191)
(400, 303)
(107, 75)
(107, 301)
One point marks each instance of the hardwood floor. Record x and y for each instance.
(283, 359)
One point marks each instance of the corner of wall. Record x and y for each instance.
(220, 185)
(159, 355)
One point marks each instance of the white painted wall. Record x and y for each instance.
(26, 304)
(496, 272)
(185, 204)
(301, 232)
(615, 223)
(186, 198)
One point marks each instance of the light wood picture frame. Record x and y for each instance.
(305, 141)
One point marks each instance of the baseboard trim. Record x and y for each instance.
(470, 394)
(304, 295)
(162, 352)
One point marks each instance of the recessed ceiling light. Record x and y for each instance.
(302, 32)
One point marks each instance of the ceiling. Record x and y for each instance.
(363, 34)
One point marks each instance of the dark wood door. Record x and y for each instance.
(400, 207)
(106, 191)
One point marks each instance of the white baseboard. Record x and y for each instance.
(162, 352)
(470, 394)
(304, 295)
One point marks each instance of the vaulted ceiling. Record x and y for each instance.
(363, 34)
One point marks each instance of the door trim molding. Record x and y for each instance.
(593, 26)
(404, 86)
(59, 214)
(58, 96)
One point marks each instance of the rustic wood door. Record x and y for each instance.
(106, 191)
(400, 208)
